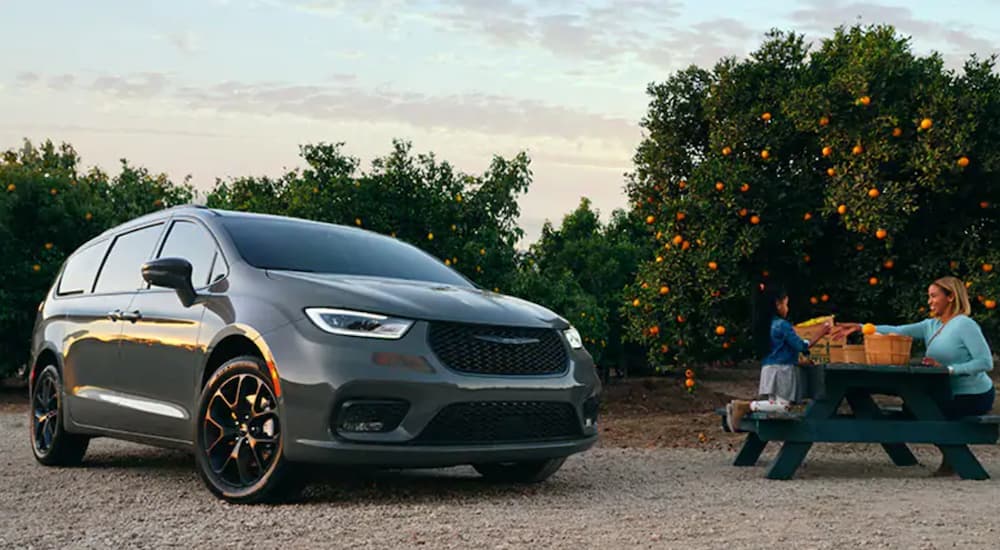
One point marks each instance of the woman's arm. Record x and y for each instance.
(973, 339)
(917, 331)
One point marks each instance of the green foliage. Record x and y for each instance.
(739, 189)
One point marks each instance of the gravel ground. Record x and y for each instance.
(845, 496)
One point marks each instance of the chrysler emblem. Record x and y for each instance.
(505, 340)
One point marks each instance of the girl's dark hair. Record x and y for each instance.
(765, 307)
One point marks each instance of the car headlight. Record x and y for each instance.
(573, 337)
(357, 323)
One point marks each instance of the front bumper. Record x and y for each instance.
(319, 372)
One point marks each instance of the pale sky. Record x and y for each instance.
(219, 88)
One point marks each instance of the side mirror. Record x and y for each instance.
(172, 273)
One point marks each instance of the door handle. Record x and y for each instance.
(115, 315)
(131, 316)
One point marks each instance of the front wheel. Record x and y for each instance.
(534, 471)
(239, 440)
(51, 443)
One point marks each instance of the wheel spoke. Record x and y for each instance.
(243, 466)
(257, 456)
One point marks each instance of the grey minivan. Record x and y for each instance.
(261, 342)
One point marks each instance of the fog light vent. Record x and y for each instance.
(370, 416)
(590, 410)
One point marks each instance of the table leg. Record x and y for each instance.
(865, 407)
(750, 452)
(789, 458)
(966, 465)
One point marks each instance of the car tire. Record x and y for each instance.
(51, 444)
(239, 444)
(534, 471)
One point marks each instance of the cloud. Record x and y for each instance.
(27, 78)
(339, 99)
(186, 41)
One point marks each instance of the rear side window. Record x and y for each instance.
(81, 269)
(122, 270)
(195, 244)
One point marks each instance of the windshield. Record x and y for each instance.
(296, 245)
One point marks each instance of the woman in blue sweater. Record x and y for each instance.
(952, 339)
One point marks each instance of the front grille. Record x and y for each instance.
(501, 422)
(484, 349)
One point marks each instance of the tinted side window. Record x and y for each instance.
(81, 269)
(122, 269)
(194, 243)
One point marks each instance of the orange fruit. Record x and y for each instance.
(868, 328)
(650, 219)
(645, 285)
(859, 247)
(36, 268)
(825, 298)
(48, 246)
(719, 186)
(53, 191)
(926, 124)
(659, 259)
(664, 348)
(842, 209)
(659, 235)
(689, 373)
(962, 162)
(681, 216)
(689, 383)
(654, 330)
(725, 345)
(984, 205)
(808, 216)
(357, 221)
(744, 188)
(765, 117)
(873, 281)
(953, 264)
(682, 184)
(678, 239)
(813, 300)
(857, 149)
(765, 154)
(482, 251)
(636, 302)
(720, 330)
(680, 318)
(726, 151)
(664, 290)
(831, 172)
(88, 216)
(713, 266)
(897, 131)
(11, 187)
(685, 245)
(823, 120)
(987, 267)
(430, 236)
(990, 304)
(765, 274)
(743, 212)
(827, 151)
(874, 193)
(881, 234)
(806, 258)
(754, 219)
(888, 264)
(865, 100)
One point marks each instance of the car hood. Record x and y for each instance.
(418, 300)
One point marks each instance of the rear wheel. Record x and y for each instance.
(534, 471)
(51, 443)
(239, 445)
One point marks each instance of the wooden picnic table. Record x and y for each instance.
(920, 420)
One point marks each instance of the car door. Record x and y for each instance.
(93, 337)
(161, 355)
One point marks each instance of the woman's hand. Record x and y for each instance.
(929, 362)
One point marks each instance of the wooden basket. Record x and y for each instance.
(887, 349)
(852, 353)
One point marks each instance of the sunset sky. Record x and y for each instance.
(220, 88)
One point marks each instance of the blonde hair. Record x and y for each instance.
(953, 286)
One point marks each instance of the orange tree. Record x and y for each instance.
(469, 222)
(48, 207)
(854, 175)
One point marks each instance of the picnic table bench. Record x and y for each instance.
(919, 420)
